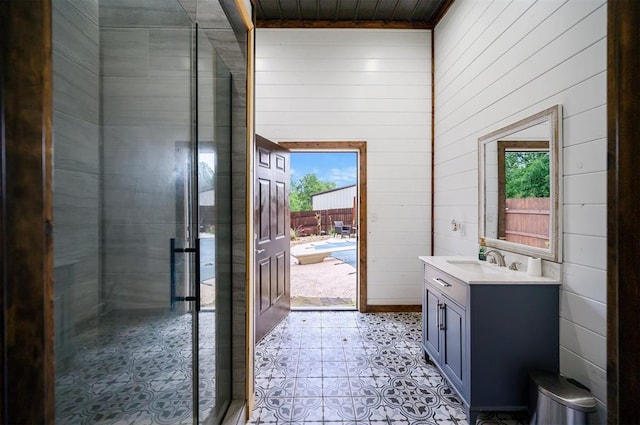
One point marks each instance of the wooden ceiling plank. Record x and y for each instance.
(395, 10)
(369, 8)
(279, 9)
(429, 10)
(375, 10)
(260, 10)
(345, 12)
(415, 8)
(351, 13)
(439, 13)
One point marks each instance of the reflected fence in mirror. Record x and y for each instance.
(519, 186)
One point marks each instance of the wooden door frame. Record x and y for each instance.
(623, 201)
(359, 147)
(27, 383)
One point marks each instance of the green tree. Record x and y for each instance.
(301, 191)
(527, 174)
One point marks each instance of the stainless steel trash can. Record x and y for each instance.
(556, 400)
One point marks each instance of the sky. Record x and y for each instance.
(337, 167)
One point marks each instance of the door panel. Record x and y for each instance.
(282, 265)
(264, 285)
(264, 218)
(281, 214)
(431, 331)
(272, 235)
(453, 344)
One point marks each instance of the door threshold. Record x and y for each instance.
(324, 308)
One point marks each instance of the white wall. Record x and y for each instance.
(364, 85)
(495, 63)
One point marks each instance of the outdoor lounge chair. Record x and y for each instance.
(341, 229)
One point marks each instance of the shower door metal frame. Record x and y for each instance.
(187, 206)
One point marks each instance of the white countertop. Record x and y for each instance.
(485, 274)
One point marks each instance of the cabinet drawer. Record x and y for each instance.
(446, 284)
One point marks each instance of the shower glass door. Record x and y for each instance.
(214, 219)
(130, 263)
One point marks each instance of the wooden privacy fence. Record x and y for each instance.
(320, 222)
(527, 221)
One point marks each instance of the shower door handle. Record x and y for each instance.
(173, 251)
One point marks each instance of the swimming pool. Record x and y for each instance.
(348, 256)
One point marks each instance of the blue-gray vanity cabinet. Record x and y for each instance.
(485, 338)
(444, 325)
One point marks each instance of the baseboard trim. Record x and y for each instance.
(393, 308)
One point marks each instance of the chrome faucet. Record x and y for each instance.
(497, 256)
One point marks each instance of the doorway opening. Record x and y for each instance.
(328, 239)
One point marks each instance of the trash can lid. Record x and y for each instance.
(564, 391)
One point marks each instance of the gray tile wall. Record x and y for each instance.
(239, 192)
(146, 103)
(142, 13)
(76, 169)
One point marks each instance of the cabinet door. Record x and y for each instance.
(431, 315)
(452, 352)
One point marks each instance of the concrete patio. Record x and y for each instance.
(330, 283)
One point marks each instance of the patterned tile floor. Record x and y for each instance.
(353, 368)
(136, 371)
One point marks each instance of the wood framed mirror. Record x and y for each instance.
(519, 187)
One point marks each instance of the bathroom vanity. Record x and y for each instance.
(485, 327)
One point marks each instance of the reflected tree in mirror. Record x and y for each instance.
(527, 174)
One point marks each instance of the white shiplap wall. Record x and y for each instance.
(500, 61)
(365, 85)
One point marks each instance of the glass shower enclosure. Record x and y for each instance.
(141, 215)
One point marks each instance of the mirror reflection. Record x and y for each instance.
(519, 186)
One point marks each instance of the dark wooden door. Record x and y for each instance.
(272, 241)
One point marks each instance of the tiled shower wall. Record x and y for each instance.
(76, 120)
(145, 118)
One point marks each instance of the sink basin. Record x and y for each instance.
(477, 267)
(470, 270)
